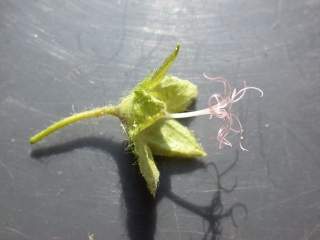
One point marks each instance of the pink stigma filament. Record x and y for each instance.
(220, 106)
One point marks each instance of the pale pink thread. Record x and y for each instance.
(220, 105)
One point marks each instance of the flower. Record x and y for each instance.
(148, 116)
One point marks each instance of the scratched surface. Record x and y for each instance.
(60, 57)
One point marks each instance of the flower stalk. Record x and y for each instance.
(94, 113)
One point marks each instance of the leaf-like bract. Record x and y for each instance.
(146, 163)
(167, 137)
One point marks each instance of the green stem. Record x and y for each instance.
(94, 113)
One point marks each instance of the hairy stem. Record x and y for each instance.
(94, 113)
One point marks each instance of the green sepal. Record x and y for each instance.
(169, 138)
(146, 163)
(145, 104)
(176, 93)
(145, 111)
(154, 78)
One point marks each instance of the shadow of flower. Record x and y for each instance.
(140, 205)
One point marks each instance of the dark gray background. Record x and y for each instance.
(59, 57)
